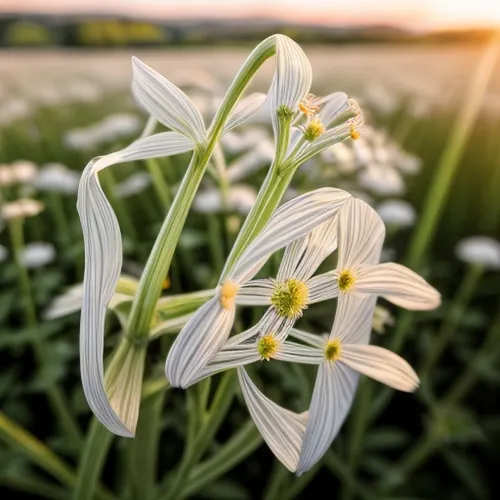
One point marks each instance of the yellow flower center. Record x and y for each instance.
(290, 298)
(314, 129)
(346, 280)
(355, 134)
(228, 294)
(333, 350)
(267, 346)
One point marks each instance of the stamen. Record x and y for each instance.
(228, 294)
(314, 129)
(355, 134)
(308, 106)
(346, 280)
(333, 350)
(267, 346)
(290, 298)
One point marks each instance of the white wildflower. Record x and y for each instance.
(241, 198)
(479, 250)
(24, 171)
(36, 255)
(25, 207)
(133, 185)
(57, 178)
(397, 213)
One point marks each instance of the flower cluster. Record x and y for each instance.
(333, 221)
(308, 228)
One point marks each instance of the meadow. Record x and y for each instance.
(428, 161)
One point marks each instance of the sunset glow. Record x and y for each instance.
(411, 13)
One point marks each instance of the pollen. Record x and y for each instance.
(290, 298)
(346, 280)
(333, 350)
(355, 134)
(308, 106)
(267, 346)
(228, 294)
(314, 130)
(165, 285)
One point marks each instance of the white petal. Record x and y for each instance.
(353, 318)
(333, 106)
(124, 382)
(166, 102)
(198, 342)
(281, 429)
(322, 287)
(244, 110)
(308, 338)
(302, 257)
(332, 397)
(292, 77)
(399, 285)
(291, 221)
(381, 365)
(296, 353)
(103, 259)
(232, 357)
(361, 235)
(255, 293)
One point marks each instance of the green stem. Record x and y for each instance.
(59, 214)
(96, 448)
(34, 486)
(269, 196)
(274, 486)
(34, 450)
(199, 439)
(159, 183)
(239, 447)
(160, 258)
(144, 448)
(60, 405)
(215, 240)
(448, 327)
(447, 167)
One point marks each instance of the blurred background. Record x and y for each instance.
(425, 73)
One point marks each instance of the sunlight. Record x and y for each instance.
(478, 12)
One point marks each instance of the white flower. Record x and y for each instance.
(345, 353)
(102, 238)
(241, 198)
(57, 178)
(133, 185)
(36, 255)
(208, 330)
(479, 250)
(6, 176)
(244, 140)
(25, 207)
(381, 180)
(260, 156)
(24, 171)
(397, 213)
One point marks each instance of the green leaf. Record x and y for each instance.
(386, 438)
(468, 471)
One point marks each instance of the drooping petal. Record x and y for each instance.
(198, 342)
(166, 102)
(292, 78)
(244, 110)
(353, 318)
(255, 293)
(381, 365)
(296, 353)
(361, 235)
(333, 106)
(282, 429)
(103, 259)
(399, 285)
(291, 221)
(308, 338)
(332, 397)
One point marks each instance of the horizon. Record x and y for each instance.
(424, 14)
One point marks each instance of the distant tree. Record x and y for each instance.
(24, 33)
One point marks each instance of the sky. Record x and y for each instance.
(412, 13)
